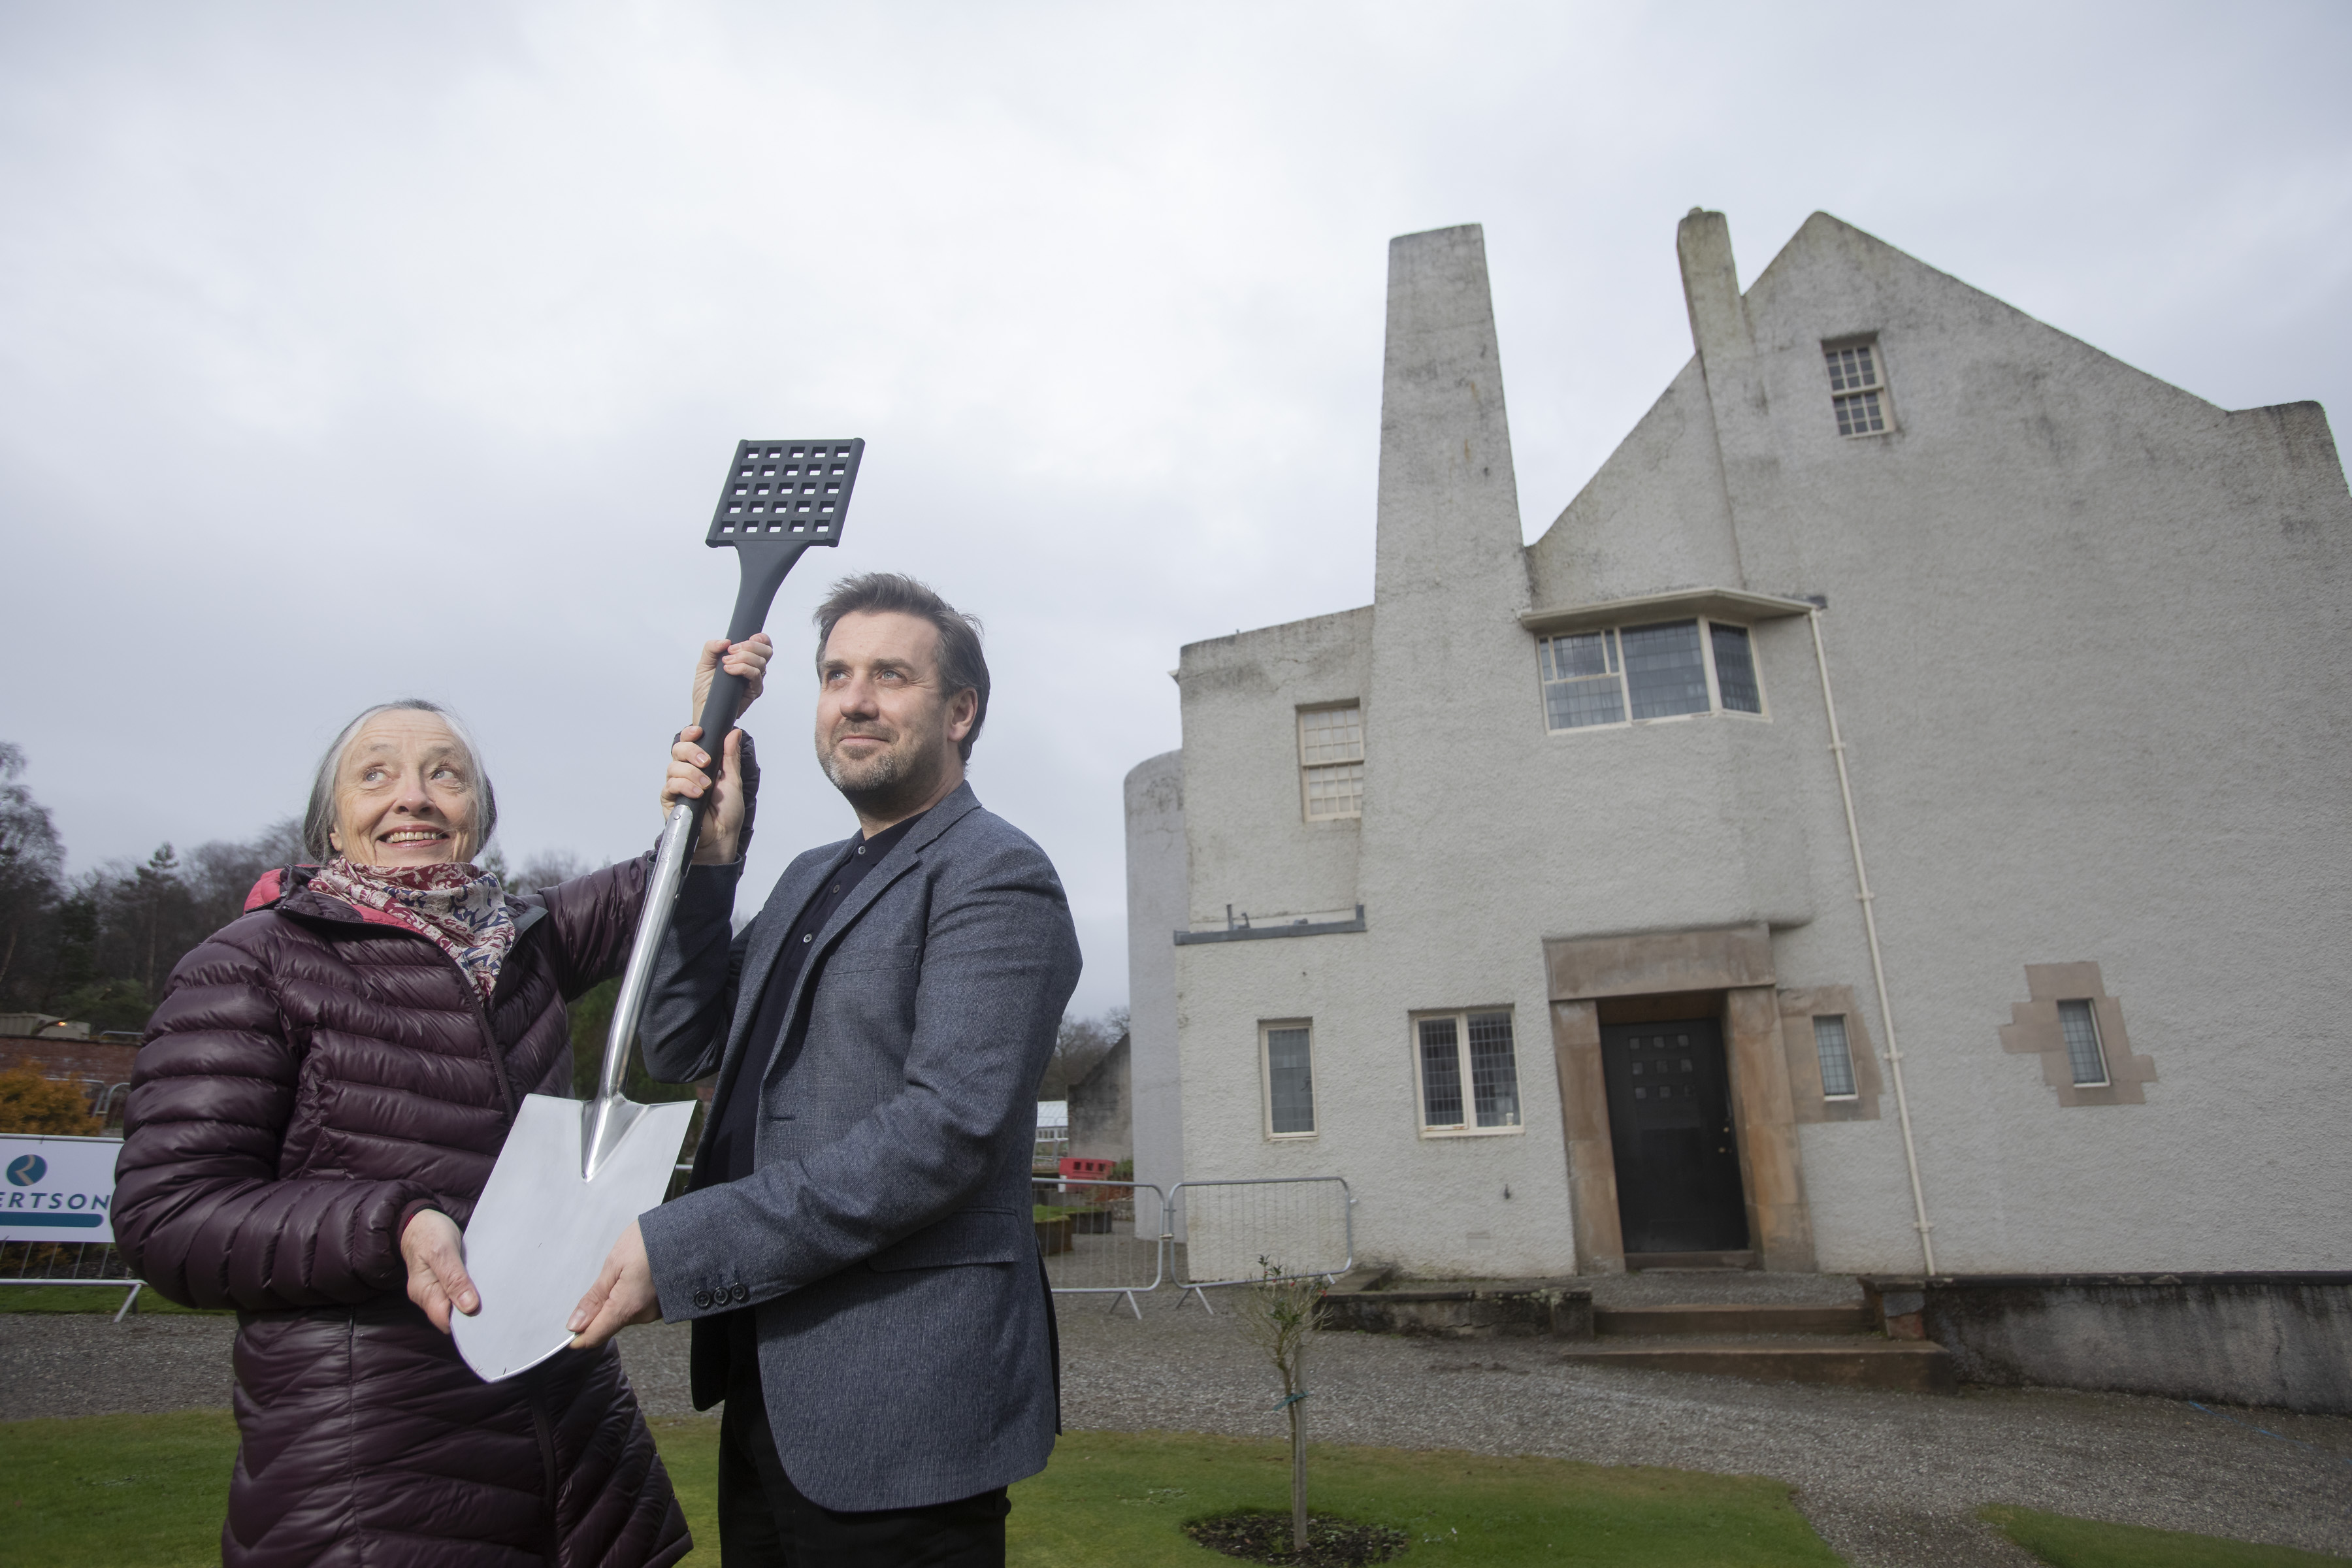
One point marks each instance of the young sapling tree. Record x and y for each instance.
(1277, 1315)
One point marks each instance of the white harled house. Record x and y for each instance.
(1906, 797)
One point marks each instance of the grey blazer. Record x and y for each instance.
(883, 1238)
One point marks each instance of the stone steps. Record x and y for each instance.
(1722, 1323)
(1719, 1319)
(1847, 1361)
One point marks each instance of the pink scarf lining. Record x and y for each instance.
(459, 908)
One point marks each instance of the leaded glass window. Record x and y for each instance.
(1665, 672)
(1494, 1071)
(1836, 1056)
(1735, 669)
(1472, 1048)
(1289, 1080)
(1582, 681)
(1441, 1073)
(2083, 1053)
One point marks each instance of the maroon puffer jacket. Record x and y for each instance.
(314, 1077)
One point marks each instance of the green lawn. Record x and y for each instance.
(87, 1299)
(146, 1491)
(2067, 1542)
(1117, 1498)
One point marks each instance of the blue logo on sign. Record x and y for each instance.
(27, 1169)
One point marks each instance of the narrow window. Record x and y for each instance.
(1580, 681)
(1494, 1071)
(1441, 1073)
(1665, 673)
(1331, 761)
(1837, 1057)
(1856, 391)
(1734, 669)
(1289, 1080)
(2082, 1052)
(1467, 1048)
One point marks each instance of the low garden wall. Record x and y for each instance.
(2283, 1340)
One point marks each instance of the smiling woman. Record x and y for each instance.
(318, 1105)
(405, 781)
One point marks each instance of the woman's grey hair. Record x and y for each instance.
(319, 819)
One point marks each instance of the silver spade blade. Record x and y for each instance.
(543, 1228)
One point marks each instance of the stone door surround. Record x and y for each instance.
(1725, 972)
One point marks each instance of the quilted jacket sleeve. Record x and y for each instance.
(199, 1209)
(594, 919)
(691, 1000)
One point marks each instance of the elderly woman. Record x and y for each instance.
(319, 1102)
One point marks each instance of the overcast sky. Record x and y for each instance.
(354, 352)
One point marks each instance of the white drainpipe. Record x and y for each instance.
(1877, 965)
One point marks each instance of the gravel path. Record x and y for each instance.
(1889, 1479)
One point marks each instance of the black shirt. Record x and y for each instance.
(734, 1118)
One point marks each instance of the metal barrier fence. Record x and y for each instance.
(1301, 1226)
(85, 1263)
(1100, 1238)
(106, 1102)
(1097, 1237)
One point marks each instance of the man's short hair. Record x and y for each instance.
(962, 665)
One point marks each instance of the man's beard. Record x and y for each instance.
(879, 785)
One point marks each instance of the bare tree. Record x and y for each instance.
(547, 868)
(1078, 1048)
(1277, 1315)
(31, 861)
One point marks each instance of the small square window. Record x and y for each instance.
(1286, 1051)
(1469, 1072)
(2083, 1053)
(1836, 1057)
(1857, 391)
(1331, 761)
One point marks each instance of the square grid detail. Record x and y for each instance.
(791, 491)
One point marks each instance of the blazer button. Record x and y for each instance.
(702, 1301)
(743, 1293)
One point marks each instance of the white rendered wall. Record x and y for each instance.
(1155, 910)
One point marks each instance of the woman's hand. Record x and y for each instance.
(748, 659)
(434, 1250)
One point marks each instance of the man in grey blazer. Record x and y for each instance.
(855, 1249)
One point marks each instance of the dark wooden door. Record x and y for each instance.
(1670, 1123)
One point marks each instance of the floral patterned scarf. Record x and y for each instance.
(460, 909)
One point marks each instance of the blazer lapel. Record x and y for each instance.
(902, 859)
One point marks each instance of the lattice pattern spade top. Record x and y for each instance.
(790, 491)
